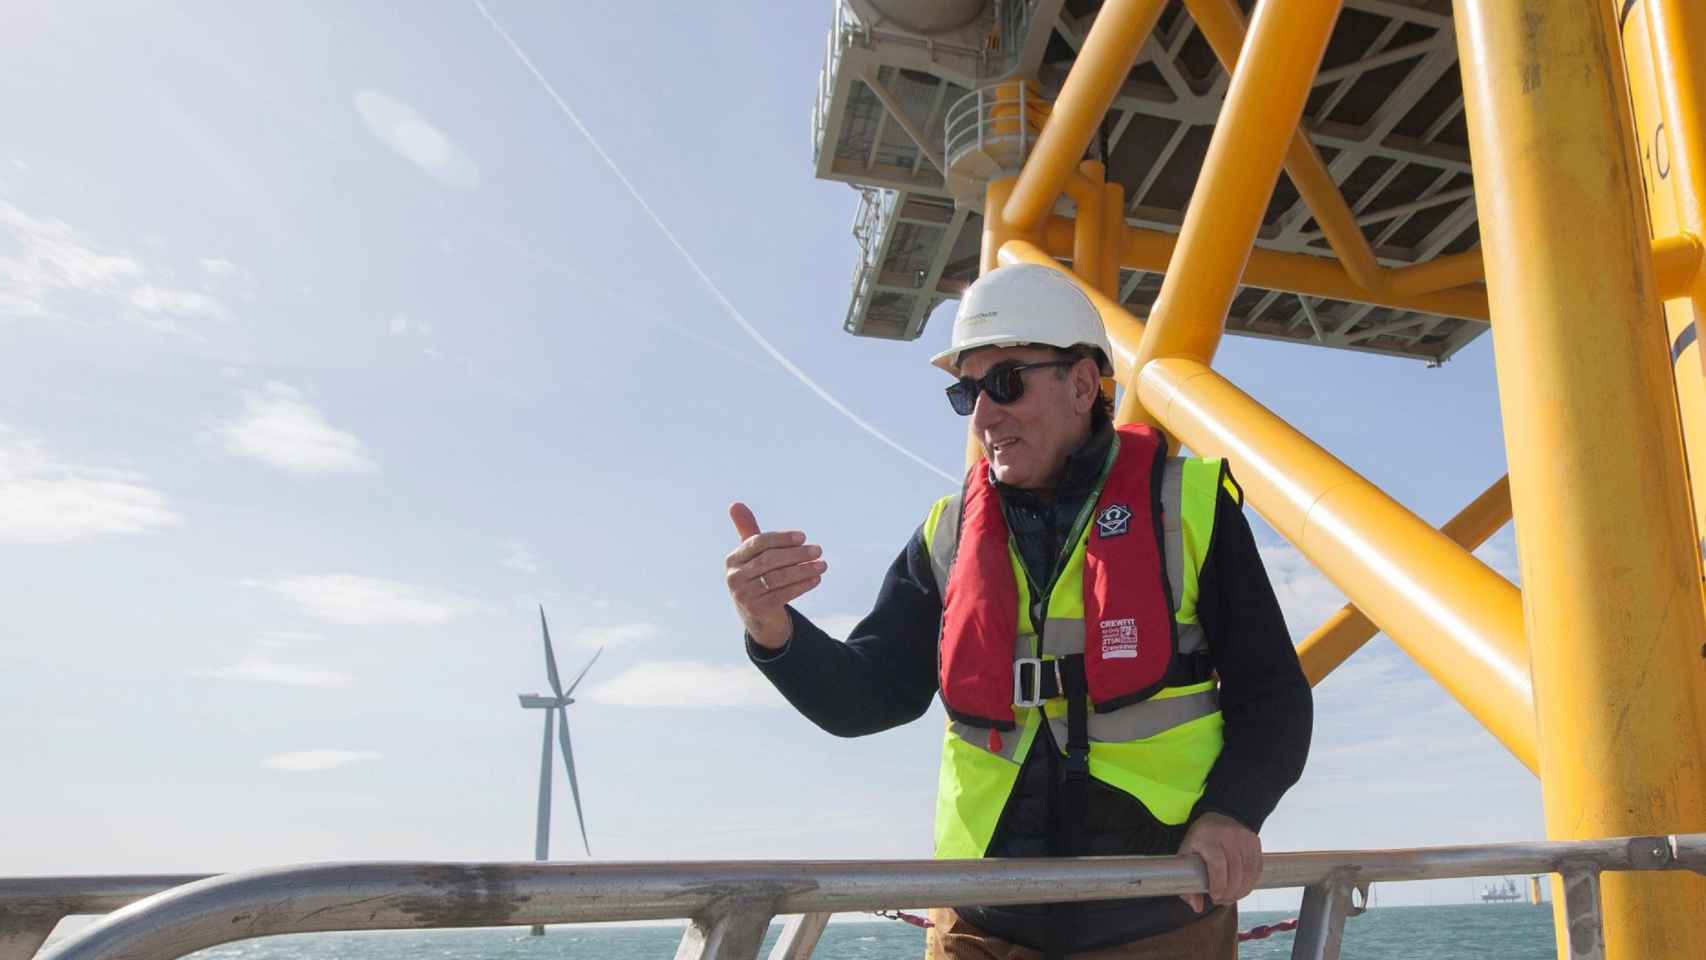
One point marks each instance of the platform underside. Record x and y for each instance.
(1386, 114)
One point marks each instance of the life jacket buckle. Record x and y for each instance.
(1031, 694)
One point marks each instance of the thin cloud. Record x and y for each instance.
(219, 268)
(368, 601)
(280, 428)
(52, 259)
(56, 273)
(161, 308)
(417, 140)
(614, 635)
(312, 761)
(685, 683)
(284, 638)
(47, 500)
(261, 670)
(520, 559)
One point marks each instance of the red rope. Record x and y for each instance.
(920, 922)
(1267, 930)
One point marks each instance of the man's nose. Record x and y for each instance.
(985, 411)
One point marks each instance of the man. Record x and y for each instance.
(1094, 614)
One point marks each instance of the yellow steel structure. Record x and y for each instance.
(1592, 436)
(1222, 23)
(1238, 176)
(1152, 250)
(1667, 39)
(1453, 615)
(1594, 675)
(1345, 632)
(1107, 56)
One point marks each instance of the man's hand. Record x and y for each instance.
(1232, 853)
(767, 571)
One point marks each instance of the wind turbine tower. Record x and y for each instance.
(556, 704)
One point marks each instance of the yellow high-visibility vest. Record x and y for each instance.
(1158, 750)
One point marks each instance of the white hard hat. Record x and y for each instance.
(1024, 303)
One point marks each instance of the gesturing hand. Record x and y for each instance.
(1232, 853)
(767, 571)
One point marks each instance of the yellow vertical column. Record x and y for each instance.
(1263, 105)
(1113, 238)
(1610, 591)
(1113, 245)
(996, 231)
(1666, 85)
(1085, 189)
(995, 228)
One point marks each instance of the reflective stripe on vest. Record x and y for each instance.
(1157, 750)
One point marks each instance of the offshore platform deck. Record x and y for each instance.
(1385, 115)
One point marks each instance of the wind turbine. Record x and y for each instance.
(557, 704)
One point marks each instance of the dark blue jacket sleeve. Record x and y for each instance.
(1264, 697)
(884, 675)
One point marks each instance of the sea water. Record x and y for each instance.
(1463, 932)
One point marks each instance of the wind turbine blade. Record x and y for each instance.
(550, 658)
(584, 669)
(542, 832)
(569, 762)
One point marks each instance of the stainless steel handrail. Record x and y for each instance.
(731, 904)
(871, 225)
(992, 120)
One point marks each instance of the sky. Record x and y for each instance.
(331, 346)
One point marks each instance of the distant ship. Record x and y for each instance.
(1503, 890)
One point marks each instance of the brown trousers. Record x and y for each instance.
(1213, 937)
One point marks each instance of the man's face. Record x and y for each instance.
(1027, 441)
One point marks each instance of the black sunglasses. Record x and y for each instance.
(1003, 383)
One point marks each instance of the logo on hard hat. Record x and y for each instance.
(1113, 521)
(973, 319)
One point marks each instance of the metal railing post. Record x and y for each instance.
(728, 930)
(1581, 911)
(23, 932)
(799, 936)
(1321, 919)
(29, 909)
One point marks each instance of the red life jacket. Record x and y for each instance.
(1128, 617)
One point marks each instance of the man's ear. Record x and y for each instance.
(1087, 385)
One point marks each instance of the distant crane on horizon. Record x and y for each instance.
(556, 704)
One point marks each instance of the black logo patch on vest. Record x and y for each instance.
(1113, 521)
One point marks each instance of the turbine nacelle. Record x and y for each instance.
(533, 701)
